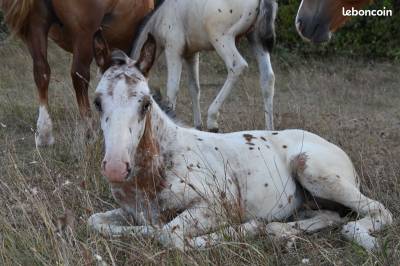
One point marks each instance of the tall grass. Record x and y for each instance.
(47, 195)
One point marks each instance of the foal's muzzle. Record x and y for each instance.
(116, 171)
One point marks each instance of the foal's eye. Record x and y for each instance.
(97, 104)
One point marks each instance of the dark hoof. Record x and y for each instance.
(199, 128)
(214, 130)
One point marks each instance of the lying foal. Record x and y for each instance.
(156, 168)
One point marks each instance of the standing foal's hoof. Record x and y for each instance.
(214, 130)
(200, 128)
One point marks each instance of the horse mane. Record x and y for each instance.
(16, 13)
(142, 32)
(338, 19)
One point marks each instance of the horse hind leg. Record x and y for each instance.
(338, 184)
(80, 74)
(37, 44)
(267, 78)
(235, 64)
(313, 221)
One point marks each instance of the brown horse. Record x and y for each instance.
(72, 25)
(317, 19)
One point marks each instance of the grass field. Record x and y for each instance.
(46, 195)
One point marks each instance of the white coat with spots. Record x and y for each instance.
(184, 186)
(183, 28)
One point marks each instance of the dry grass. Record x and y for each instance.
(353, 103)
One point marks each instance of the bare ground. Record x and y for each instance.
(46, 195)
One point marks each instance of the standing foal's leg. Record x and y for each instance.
(174, 65)
(194, 88)
(267, 79)
(37, 44)
(235, 63)
(80, 73)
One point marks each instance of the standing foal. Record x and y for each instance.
(183, 28)
(157, 168)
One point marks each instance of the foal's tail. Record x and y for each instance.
(16, 14)
(265, 24)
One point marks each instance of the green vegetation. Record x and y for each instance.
(362, 36)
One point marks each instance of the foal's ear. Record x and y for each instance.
(147, 56)
(102, 53)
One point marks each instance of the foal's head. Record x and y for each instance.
(317, 19)
(124, 103)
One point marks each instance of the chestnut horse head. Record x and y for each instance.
(317, 19)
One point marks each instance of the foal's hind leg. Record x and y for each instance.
(37, 44)
(267, 79)
(235, 64)
(335, 181)
(313, 221)
(194, 88)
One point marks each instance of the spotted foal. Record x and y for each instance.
(186, 187)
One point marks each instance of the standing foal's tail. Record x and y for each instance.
(16, 14)
(265, 24)
(143, 31)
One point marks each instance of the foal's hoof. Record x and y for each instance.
(199, 128)
(214, 130)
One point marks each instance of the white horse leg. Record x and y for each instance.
(44, 131)
(267, 80)
(334, 184)
(174, 64)
(317, 221)
(115, 223)
(194, 88)
(190, 223)
(235, 63)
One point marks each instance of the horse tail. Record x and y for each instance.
(16, 14)
(143, 31)
(265, 24)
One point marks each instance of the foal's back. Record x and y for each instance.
(196, 24)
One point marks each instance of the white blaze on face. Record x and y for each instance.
(44, 134)
(121, 121)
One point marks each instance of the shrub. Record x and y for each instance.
(362, 36)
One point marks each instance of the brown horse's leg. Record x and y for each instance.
(36, 41)
(80, 73)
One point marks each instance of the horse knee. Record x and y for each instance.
(238, 66)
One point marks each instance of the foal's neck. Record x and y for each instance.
(165, 131)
